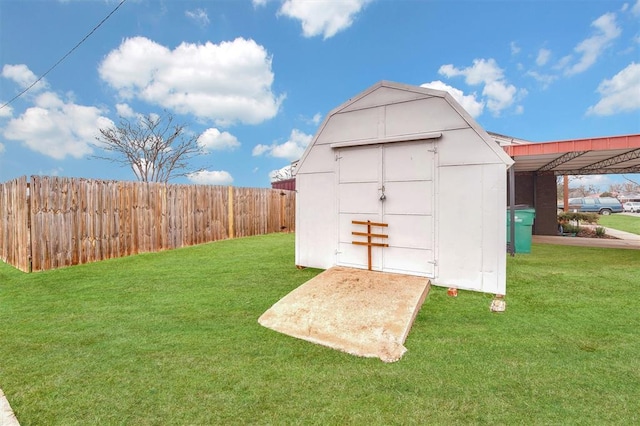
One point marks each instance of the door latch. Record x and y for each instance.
(382, 195)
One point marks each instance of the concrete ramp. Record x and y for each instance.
(360, 312)
(7, 417)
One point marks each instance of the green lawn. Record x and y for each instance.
(172, 339)
(621, 222)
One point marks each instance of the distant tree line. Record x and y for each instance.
(579, 189)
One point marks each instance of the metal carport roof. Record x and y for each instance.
(605, 155)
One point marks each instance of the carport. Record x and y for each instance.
(532, 179)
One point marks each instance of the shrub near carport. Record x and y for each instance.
(569, 222)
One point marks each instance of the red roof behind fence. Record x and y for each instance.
(287, 184)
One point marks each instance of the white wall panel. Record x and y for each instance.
(408, 261)
(359, 164)
(383, 96)
(413, 197)
(408, 161)
(358, 198)
(355, 256)
(460, 230)
(494, 221)
(316, 220)
(462, 147)
(410, 231)
(349, 126)
(425, 115)
(319, 160)
(346, 227)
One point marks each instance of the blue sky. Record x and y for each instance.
(254, 79)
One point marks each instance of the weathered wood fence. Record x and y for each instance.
(53, 222)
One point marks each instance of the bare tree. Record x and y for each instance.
(615, 188)
(572, 190)
(628, 187)
(560, 187)
(281, 174)
(635, 186)
(584, 190)
(155, 148)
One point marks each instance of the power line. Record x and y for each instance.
(65, 56)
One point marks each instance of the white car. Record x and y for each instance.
(631, 206)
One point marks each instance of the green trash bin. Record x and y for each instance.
(523, 228)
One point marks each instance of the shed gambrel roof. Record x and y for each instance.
(388, 93)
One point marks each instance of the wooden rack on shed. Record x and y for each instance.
(369, 236)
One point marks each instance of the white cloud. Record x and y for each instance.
(57, 128)
(124, 110)
(515, 49)
(213, 139)
(469, 102)
(544, 79)
(600, 181)
(619, 94)
(323, 17)
(7, 111)
(590, 49)
(211, 177)
(482, 71)
(564, 62)
(259, 150)
(1, 148)
(498, 92)
(315, 120)
(258, 3)
(226, 83)
(292, 149)
(23, 76)
(500, 95)
(56, 171)
(543, 57)
(636, 8)
(199, 16)
(144, 169)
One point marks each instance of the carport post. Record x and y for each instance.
(565, 193)
(512, 211)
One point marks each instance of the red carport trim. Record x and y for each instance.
(591, 144)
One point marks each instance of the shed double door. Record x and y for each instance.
(390, 183)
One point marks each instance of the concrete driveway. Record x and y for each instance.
(625, 240)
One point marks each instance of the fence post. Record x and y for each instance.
(29, 229)
(282, 215)
(230, 209)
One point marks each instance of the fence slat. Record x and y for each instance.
(54, 221)
(14, 223)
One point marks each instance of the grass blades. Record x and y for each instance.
(621, 222)
(173, 338)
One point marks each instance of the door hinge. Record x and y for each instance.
(338, 157)
(434, 150)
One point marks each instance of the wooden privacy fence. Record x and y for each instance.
(53, 222)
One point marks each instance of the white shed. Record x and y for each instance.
(412, 158)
